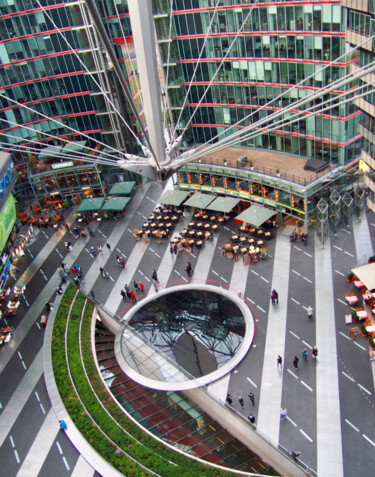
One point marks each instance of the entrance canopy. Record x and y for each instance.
(122, 188)
(75, 146)
(116, 204)
(91, 205)
(223, 204)
(366, 275)
(256, 215)
(49, 151)
(173, 197)
(200, 200)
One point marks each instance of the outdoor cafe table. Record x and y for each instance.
(251, 241)
(151, 217)
(243, 239)
(199, 243)
(243, 250)
(191, 224)
(370, 329)
(362, 314)
(215, 227)
(358, 284)
(207, 226)
(352, 300)
(213, 218)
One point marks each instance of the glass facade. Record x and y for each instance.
(277, 48)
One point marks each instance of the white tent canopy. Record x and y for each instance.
(366, 275)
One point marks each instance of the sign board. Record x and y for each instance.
(62, 165)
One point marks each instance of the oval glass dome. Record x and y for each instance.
(184, 337)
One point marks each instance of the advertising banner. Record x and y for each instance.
(7, 220)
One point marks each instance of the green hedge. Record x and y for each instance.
(148, 451)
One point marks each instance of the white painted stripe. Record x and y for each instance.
(252, 382)
(309, 281)
(226, 281)
(1, 406)
(305, 435)
(307, 344)
(347, 376)
(364, 389)
(58, 253)
(255, 273)
(338, 248)
(19, 355)
(352, 425)
(297, 248)
(66, 463)
(308, 254)
(42, 408)
(261, 309)
(368, 440)
(226, 228)
(37, 396)
(342, 301)
(348, 253)
(46, 236)
(291, 372)
(295, 301)
(340, 273)
(360, 346)
(146, 278)
(111, 278)
(31, 255)
(306, 386)
(346, 231)
(59, 447)
(157, 255)
(294, 271)
(344, 335)
(38, 325)
(215, 273)
(27, 303)
(264, 279)
(296, 336)
(291, 421)
(250, 300)
(17, 457)
(12, 442)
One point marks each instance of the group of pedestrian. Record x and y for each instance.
(314, 354)
(104, 272)
(120, 261)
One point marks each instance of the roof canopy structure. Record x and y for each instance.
(122, 188)
(116, 204)
(75, 146)
(366, 274)
(49, 151)
(173, 197)
(200, 200)
(256, 215)
(91, 205)
(223, 204)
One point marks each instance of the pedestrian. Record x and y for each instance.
(76, 281)
(251, 418)
(122, 262)
(49, 306)
(188, 269)
(136, 286)
(295, 453)
(104, 272)
(141, 286)
(92, 295)
(283, 413)
(252, 398)
(273, 297)
(66, 226)
(93, 252)
(109, 247)
(155, 276)
(63, 425)
(314, 352)
(276, 297)
(280, 362)
(123, 294)
(310, 312)
(240, 400)
(304, 354)
(68, 246)
(99, 249)
(229, 399)
(295, 362)
(133, 297)
(171, 249)
(155, 283)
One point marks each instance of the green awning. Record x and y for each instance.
(200, 200)
(116, 204)
(223, 204)
(74, 146)
(49, 151)
(256, 215)
(91, 205)
(173, 197)
(122, 188)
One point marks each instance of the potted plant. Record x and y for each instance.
(350, 277)
(371, 259)
(251, 165)
(225, 162)
(364, 331)
(354, 317)
(371, 342)
(278, 172)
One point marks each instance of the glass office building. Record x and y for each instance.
(361, 21)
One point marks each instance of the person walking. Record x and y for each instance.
(104, 272)
(283, 413)
(127, 291)
(229, 399)
(108, 247)
(314, 352)
(295, 454)
(141, 286)
(295, 362)
(310, 312)
(241, 401)
(66, 226)
(76, 281)
(280, 362)
(92, 252)
(93, 295)
(155, 276)
(99, 249)
(188, 269)
(251, 418)
(304, 354)
(155, 283)
(122, 262)
(123, 294)
(252, 398)
(136, 286)
(133, 297)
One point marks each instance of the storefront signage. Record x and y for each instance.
(61, 165)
